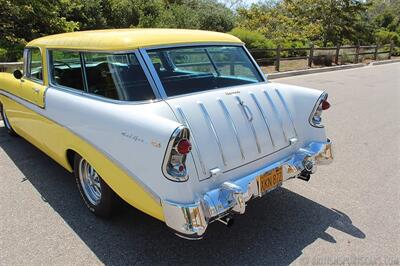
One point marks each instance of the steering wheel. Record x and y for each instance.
(62, 63)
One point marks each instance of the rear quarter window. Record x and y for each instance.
(117, 76)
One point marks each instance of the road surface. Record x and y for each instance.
(349, 212)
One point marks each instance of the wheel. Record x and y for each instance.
(96, 194)
(6, 122)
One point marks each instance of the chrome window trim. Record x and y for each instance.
(27, 62)
(86, 94)
(158, 82)
(191, 44)
(153, 72)
(262, 74)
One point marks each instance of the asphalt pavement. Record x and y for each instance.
(348, 213)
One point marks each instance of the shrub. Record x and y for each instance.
(345, 58)
(323, 58)
(3, 54)
(252, 39)
(396, 51)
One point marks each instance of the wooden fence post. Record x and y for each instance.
(278, 58)
(311, 55)
(376, 52)
(391, 49)
(357, 54)
(337, 54)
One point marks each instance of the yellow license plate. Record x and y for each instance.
(270, 180)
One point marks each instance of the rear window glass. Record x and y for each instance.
(185, 70)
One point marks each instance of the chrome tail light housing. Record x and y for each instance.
(179, 146)
(316, 115)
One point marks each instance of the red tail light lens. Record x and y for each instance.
(184, 146)
(325, 105)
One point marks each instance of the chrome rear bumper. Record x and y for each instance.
(191, 220)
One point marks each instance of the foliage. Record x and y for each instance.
(252, 39)
(24, 20)
(288, 23)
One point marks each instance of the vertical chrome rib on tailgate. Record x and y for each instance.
(233, 129)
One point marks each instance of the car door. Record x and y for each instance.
(32, 84)
(30, 97)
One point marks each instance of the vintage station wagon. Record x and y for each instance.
(180, 124)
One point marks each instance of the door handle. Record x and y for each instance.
(246, 110)
(36, 90)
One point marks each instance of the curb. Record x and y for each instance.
(312, 71)
(377, 63)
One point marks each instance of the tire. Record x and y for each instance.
(96, 194)
(6, 122)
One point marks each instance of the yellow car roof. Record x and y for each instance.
(128, 39)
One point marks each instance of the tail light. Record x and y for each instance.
(174, 166)
(316, 115)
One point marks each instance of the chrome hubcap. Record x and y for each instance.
(90, 182)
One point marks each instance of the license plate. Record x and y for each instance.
(270, 180)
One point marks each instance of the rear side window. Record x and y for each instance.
(117, 76)
(66, 69)
(34, 69)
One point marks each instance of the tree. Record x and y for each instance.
(24, 20)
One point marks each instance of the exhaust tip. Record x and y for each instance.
(228, 221)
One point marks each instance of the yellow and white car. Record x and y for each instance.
(181, 124)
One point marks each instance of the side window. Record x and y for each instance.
(66, 69)
(34, 68)
(117, 76)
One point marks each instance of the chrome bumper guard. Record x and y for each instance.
(191, 220)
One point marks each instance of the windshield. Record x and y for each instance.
(185, 70)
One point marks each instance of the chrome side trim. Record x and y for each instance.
(243, 110)
(271, 102)
(264, 117)
(212, 128)
(32, 107)
(230, 197)
(196, 147)
(287, 110)
(5, 93)
(233, 126)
